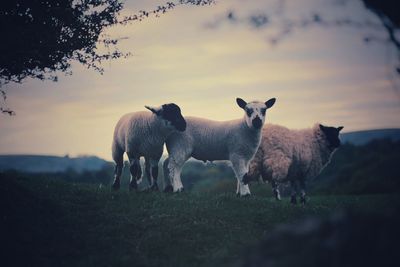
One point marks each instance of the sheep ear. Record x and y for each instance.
(156, 111)
(339, 128)
(241, 103)
(270, 102)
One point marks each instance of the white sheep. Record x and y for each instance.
(207, 140)
(293, 156)
(142, 134)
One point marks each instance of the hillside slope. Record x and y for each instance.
(47, 222)
(363, 137)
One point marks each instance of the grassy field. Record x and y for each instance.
(46, 222)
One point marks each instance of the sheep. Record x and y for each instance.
(143, 134)
(293, 156)
(236, 141)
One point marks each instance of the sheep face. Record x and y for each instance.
(331, 135)
(171, 116)
(255, 112)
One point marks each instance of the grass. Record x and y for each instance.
(46, 222)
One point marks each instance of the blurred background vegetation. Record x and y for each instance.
(371, 168)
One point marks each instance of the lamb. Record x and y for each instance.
(207, 140)
(144, 134)
(294, 156)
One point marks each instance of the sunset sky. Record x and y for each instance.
(193, 57)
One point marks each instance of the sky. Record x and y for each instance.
(193, 57)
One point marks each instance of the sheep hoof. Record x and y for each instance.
(277, 195)
(115, 186)
(154, 187)
(168, 189)
(293, 200)
(132, 186)
(246, 195)
(145, 190)
(245, 179)
(179, 190)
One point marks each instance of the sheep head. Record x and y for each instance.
(255, 112)
(332, 135)
(171, 116)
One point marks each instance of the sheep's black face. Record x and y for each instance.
(332, 135)
(172, 114)
(255, 112)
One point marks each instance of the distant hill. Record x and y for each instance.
(363, 137)
(53, 164)
(36, 163)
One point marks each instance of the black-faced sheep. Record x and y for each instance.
(142, 134)
(293, 156)
(207, 140)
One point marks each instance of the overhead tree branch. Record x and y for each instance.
(42, 38)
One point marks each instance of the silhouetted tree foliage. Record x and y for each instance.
(41, 37)
(388, 13)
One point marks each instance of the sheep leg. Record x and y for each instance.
(154, 175)
(175, 168)
(136, 173)
(240, 168)
(117, 175)
(264, 175)
(274, 184)
(275, 190)
(293, 195)
(242, 189)
(119, 164)
(175, 171)
(147, 171)
(277, 164)
(303, 191)
(167, 177)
